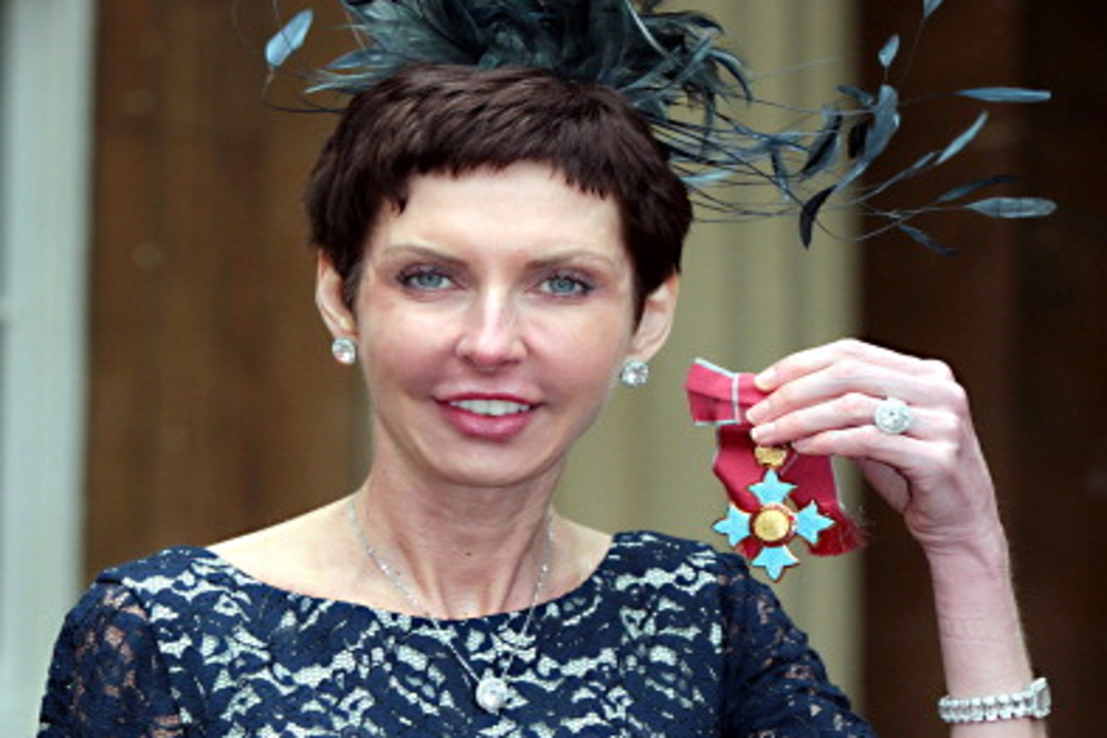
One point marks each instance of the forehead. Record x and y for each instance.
(522, 205)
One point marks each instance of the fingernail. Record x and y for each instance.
(762, 432)
(766, 380)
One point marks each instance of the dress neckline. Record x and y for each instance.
(593, 581)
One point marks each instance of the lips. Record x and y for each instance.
(491, 418)
(492, 408)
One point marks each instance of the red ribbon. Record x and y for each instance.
(721, 398)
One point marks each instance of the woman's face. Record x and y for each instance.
(492, 318)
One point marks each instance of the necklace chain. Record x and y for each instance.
(492, 692)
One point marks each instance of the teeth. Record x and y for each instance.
(495, 408)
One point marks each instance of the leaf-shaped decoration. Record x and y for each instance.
(1006, 94)
(970, 187)
(810, 214)
(288, 39)
(885, 122)
(963, 140)
(825, 148)
(889, 51)
(780, 172)
(922, 164)
(926, 239)
(865, 99)
(929, 6)
(661, 61)
(706, 178)
(1013, 207)
(857, 136)
(734, 68)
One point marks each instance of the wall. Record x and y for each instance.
(45, 144)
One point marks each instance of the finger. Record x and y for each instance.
(865, 385)
(912, 458)
(850, 410)
(812, 360)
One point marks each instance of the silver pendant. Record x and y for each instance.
(492, 694)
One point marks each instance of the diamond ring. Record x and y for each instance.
(892, 416)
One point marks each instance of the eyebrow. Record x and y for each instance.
(568, 257)
(402, 250)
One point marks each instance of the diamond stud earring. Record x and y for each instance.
(344, 351)
(635, 374)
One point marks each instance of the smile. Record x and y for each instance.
(492, 408)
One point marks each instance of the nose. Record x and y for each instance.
(491, 337)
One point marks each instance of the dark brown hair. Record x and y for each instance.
(452, 119)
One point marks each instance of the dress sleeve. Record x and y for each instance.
(776, 685)
(107, 676)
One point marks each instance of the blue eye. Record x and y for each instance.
(426, 280)
(564, 285)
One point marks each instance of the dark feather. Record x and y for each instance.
(970, 187)
(926, 239)
(922, 164)
(863, 98)
(288, 39)
(929, 6)
(665, 61)
(858, 134)
(825, 148)
(1006, 94)
(885, 123)
(1013, 207)
(810, 214)
(963, 140)
(888, 51)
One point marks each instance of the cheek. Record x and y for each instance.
(589, 352)
(399, 349)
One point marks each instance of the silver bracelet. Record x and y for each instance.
(1032, 702)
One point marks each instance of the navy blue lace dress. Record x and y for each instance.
(666, 638)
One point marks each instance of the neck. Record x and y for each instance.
(458, 553)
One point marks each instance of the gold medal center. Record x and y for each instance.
(773, 524)
(772, 457)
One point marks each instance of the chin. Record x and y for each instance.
(495, 472)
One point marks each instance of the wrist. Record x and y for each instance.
(974, 594)
(984, 553)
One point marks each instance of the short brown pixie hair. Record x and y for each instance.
(454, 119)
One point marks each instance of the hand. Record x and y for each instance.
(821, 401)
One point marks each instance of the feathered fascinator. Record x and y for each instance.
(671, 68)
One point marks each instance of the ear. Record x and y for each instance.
(328, 298)
(656, 322)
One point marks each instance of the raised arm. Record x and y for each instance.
(822, 401)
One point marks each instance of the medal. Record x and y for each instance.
(775, 494)
(776, 522)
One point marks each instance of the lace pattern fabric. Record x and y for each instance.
(667, 637)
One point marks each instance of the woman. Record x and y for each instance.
(496, 248)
